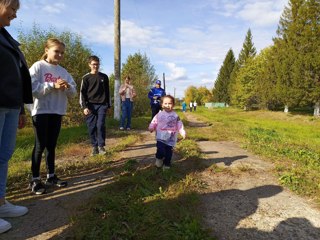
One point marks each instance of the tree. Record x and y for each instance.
(191, 94)
(221, 86)
(297, 46)
(75, 59)
(203, 96)
(266, 80)
(247, 52)
(142, 73)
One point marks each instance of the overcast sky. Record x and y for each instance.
(185, 39)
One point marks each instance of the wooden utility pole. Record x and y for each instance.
(117, 59)
(164, 81)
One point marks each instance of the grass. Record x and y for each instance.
(290, 141)
(140, 203)
(147, 204)
(72, 142)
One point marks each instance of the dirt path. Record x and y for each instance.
(242, 201)
(245, 201)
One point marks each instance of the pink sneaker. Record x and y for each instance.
(10, 210)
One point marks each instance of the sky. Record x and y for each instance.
(186, 40)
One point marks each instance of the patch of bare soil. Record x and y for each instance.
(243, 200)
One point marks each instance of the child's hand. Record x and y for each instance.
(184, 136)
(151, 130)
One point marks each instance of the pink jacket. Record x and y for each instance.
(122, 92)
(167, 126)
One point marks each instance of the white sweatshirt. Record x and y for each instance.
(47, 99)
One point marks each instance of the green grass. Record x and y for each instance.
(290, 141)
(145, 204)
(141, 203)
(69, 139)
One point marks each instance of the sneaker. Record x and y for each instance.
(121, 128)
(159, 162)
(128, 129)
(10, 210)
(56, 181)
(37, 187)
(94, 151)
(165, 168)
(4, 226)
(102, 151)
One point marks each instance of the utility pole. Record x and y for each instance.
(164, 81)
(117, 59)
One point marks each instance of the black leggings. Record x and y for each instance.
(46, 130)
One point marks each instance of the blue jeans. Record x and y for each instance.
(9, 119)
(126, 108)
(96, 122)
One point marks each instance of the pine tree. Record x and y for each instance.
(247, 52)
(221, 86)
(297, 59)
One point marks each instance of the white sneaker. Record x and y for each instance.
(10, 210)
(165, 168)
(4, 226)
(159, 162)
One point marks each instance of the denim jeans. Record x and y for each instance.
(8, 129)
(126, 108)
(96, 122)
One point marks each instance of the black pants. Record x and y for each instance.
(164, 152)
(46, 130)
(155, 109)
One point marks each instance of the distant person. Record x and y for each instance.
(167, 124)
(52, 85)
(95, 100)
(15, 90)
(194, 105)
(184, 106)
(190, 106)
(127, 93)
(155, 95)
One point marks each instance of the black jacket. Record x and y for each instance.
(15, 80)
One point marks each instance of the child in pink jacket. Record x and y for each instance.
(167, 124)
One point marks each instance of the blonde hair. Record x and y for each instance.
(7, 3)
(51, 42)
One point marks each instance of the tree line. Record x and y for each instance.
(284, 75)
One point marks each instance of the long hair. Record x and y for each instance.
(6, 3)
(51, 42)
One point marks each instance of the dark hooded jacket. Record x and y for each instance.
(15, 80)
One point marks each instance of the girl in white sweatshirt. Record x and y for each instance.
(52, 85)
